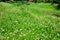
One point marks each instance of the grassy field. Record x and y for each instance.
(29, 21)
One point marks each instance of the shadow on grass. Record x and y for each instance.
(19, 3)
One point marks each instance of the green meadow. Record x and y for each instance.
(29, 21)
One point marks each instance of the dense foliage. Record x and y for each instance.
(37, 0)
(54, 2)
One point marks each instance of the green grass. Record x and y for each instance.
(29, 22)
